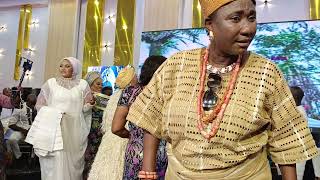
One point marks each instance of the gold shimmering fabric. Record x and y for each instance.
(209, 6)
(254, 168)
(261, 114)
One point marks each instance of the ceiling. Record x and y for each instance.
(11, 3)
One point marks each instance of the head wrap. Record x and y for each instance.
(209, 6)
(76, 65)
(92, 76)
(125, 76)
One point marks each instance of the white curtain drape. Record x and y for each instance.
(62, 33)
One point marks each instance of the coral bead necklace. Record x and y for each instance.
(208, 125)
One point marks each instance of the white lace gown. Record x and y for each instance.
(109, 161)
(69, 97)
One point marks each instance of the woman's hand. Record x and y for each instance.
(93, 100)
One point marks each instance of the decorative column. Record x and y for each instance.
(23, 37)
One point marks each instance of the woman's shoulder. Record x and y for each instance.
(50, 81)
(182, 61)
(192, 55)
(83, 83)
(261, 64)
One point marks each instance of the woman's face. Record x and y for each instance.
(96, 86)
(234, 26)
(66, 69)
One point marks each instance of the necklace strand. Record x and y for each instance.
(208, 125)
(215, 70)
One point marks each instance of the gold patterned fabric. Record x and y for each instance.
(209, 6)
(261, 113)
(256, 167)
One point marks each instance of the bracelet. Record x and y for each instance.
(147, 175)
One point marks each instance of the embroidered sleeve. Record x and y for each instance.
(43, 96)
(290, 140)
(146, 111)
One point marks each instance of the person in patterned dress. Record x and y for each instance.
(94, 138)
(134, 150)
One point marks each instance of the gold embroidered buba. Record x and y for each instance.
(261, 114)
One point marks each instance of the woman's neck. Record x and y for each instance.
(219, 59)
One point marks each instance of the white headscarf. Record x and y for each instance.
(76, 72)
(76, 66)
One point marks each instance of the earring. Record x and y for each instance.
(211, 36)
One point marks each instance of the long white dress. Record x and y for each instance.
(109, 161)
(66, 164)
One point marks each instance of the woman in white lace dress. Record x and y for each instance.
(109, 161)
(71, 96)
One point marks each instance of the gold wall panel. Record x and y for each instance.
(197, 18)
(124, 41)
(314, 9)
(93, 34)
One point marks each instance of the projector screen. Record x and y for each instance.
(293, 46)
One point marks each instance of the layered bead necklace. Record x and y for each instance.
(208, 125)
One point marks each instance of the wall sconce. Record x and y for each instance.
(30, 50)
(96, 2)
(34, 23)
(107, 46)
(266, 2)
(28, 75)
(110, 18)
(124, 27)
(3, 28)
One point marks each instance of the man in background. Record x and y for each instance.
(19, 124)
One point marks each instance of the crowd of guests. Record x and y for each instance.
(211, 113)
(65, 114)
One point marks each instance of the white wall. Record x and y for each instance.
(37, 41)
(109, 32)
(8, 42)
(282, 10)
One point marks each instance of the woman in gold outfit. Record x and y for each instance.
(222, 109)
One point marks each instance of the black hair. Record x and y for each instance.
(213, 14)
(297, 94)
(106, 89)
(149, 67)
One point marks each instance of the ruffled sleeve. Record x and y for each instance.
(290, 140)
(43, 97)
(146, 111)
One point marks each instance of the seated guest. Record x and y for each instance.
(19, 125)
(4, 112)
(7, 92)
(6, 100)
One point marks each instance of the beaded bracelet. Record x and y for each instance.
(147, 175)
